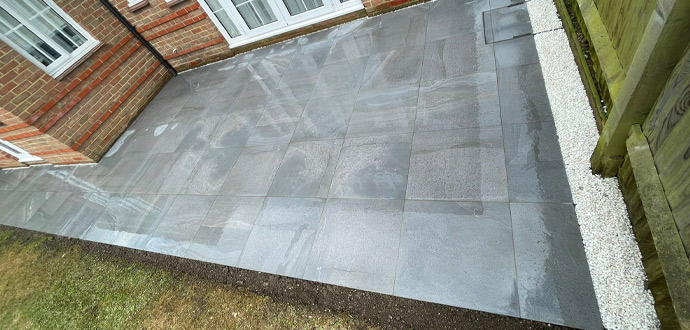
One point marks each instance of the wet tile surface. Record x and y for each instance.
(399, 154)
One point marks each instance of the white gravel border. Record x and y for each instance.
(612, 251)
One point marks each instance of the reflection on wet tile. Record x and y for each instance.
(516, 52)
(507, 23)
(536, 172)
(199, 133)
(384, 111)
(325, 118)
(395, 68)
(523, 95)
(307, 169)
(372, 171)
(340, 78)
(464, 164)
(210, 173)
(234, 129)
(555, 285)
(149, 209)
(254, 171)
(182, 166)
(468, 101)
(457, 56)
(350, 46)
(177, 229)
(23, 209)
(357, 244)
(225, 230)
(46, 212)
(290, 225)
(277, 123)
(75, 215)
(459, 254)
(451, 18)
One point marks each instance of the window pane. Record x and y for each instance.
(223, 17)
(47, 21)
(255, 12)
(26, 39)
(299, 6)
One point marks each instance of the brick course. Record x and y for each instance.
(46, 117)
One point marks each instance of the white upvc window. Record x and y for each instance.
(21, 154)
(44, 34)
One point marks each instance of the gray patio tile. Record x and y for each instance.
(320, 39)
(531, 142)
(395, 68)
(150, 210)
(8, 201)
(221, 103)
(224, 232)
(384, 111)
(309, 57)
(118, 210)
(458, 254)
(295, 87)
(182, 167)
(46, 211)
(554, 282)
(176, 230)
(122, 178)
(461, 102)
(32, 182)
(10, 179)
(259, 88)
(211, 171)
(307, 169)
(271, 65)
(536, 172)
(357, 244)
(457, 56)
(464, 164)
(325, 118)
(523, 95)
(251, 103)
(371, 171)
(253, 171)
(277, 123)
(503, 3)
(350, 46)
(155, 171)
(515, 52)
(17, 212)
(75, 215)
(234, 129)
(161, 111)
(340, 78)
(199, 133)
(166, 138)
(451, 18)
(359, 25)
(290, 225)
(507, 23)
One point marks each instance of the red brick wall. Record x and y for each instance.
(91, 106)
(183, 33)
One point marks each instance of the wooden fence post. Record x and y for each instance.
(663, 43)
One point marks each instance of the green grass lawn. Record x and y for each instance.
(63, 287)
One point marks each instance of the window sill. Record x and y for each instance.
(87, 53)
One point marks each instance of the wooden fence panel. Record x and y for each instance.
(667, 129)
(625, 21)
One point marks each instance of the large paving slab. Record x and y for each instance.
(401, 154)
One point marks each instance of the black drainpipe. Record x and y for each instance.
(132, 29)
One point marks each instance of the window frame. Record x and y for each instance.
(62, 65)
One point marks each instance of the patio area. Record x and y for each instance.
(411, 154)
